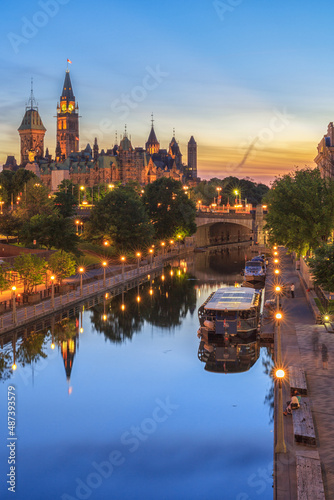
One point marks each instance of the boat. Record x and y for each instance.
(255, 270)
(231, 311)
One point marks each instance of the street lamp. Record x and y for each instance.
(104, 264)
(280, 443)
(278, 290)
(81, 270)
(77, 222)
(163, 248)
(218, 195)
(276, 272)
(82, 188)
(276, 261)
(14, 305)
(151, 251)
(52, 278)
(122, 260)
(278, 317)
(138, 255)
(1, 203)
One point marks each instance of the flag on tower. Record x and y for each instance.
(69, 61)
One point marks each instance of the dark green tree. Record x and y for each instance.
(65, 203)
(300, 210)
(34, 201)
(9, 224)
(169, 208)
(50, 231)
(62, 264)
(322, 266)
(121, 217)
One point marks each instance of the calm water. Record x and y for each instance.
(123, 408)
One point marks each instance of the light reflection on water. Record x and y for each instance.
(126, 410)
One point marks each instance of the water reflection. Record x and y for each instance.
(231, 355)
(163, 302)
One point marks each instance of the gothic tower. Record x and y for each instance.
(67, 120)
(152, 146)
(31, 132)
(192, 158)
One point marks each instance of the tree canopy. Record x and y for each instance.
(31, 269)
(62, 264)
(169, 208)
(322, 266)
(300, 210)
(120, 217)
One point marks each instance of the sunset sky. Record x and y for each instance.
(239, 75)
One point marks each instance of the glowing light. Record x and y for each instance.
(138, 254)
(276, 261)
(278, 289)
(123, 307)
(104, 317)
(163, 277)
(52, 346)
(104, 263)
(106, 243)
(278, 315)
(280, 373)
(172, 273)
(326, 318)
(276, 271)
(138, 298)
(52, 278)
(81, 330)
(81, 269)
(123, 258)
(151, 291)
(13, 288)
(14, 366)
(275, 253)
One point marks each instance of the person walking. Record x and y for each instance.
(292, 290)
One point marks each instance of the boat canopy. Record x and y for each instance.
(232, 299)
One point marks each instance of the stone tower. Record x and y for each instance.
(32, 133)
(192, 158)
(67, 120)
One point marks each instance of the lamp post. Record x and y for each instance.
(1, 203)
(52, 278)
(104, 264)
(82, 188)
(163, 248)
(276, 272)
(278, 317)
(280, 443)
(77, 222)
(81, 270)
(218, 195)
(151, 252)
(278, 290)
(138, 255)
(122, 260)
(14, 316)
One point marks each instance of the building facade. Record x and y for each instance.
(67, 121)
(325, 156)
(32, 132)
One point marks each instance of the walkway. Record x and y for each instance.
(302, 342)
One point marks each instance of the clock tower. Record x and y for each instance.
(67, 120)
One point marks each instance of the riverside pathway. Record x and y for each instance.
(303, 344)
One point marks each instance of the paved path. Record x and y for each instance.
(304, 343)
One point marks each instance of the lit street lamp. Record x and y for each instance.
(104, 264)
(280, 443)
(81, 270)
(218, 195)
(52, 278)
(138, 255)
(278, 290)
(163, 248)
(77, 222)
(123, 261)
(151, 252)
(279, 316)
(14, 305)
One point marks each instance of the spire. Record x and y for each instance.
(174, 133)
(32, 104)
(67, 94)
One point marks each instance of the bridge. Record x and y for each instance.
(230, 226)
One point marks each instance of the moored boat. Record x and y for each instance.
(255, 270)
(231, 311)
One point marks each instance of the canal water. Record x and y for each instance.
(119, 402)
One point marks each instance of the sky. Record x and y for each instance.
(251, 80)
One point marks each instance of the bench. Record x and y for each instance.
(309, 478)
(303, 427)
(297, 380)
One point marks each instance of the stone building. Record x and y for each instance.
(325, 156)
(32, 132)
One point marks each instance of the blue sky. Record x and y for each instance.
(231, 72)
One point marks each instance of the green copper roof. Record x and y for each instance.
(32, 121)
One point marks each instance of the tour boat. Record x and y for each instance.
(255, 270)
(231, 311)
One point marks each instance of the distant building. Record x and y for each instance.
(192, 159)
(325, 156)
(32, 133)
(67, 121)
(10, 163)
(90, 166)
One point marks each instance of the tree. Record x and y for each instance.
(9, 224)
(62, 264)
(65, 203)
(322, 266)
(31, 269)
(50, 231)
(4, 279)
(121, 217)
(35, 201)
(169, 208)
(300, 210)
